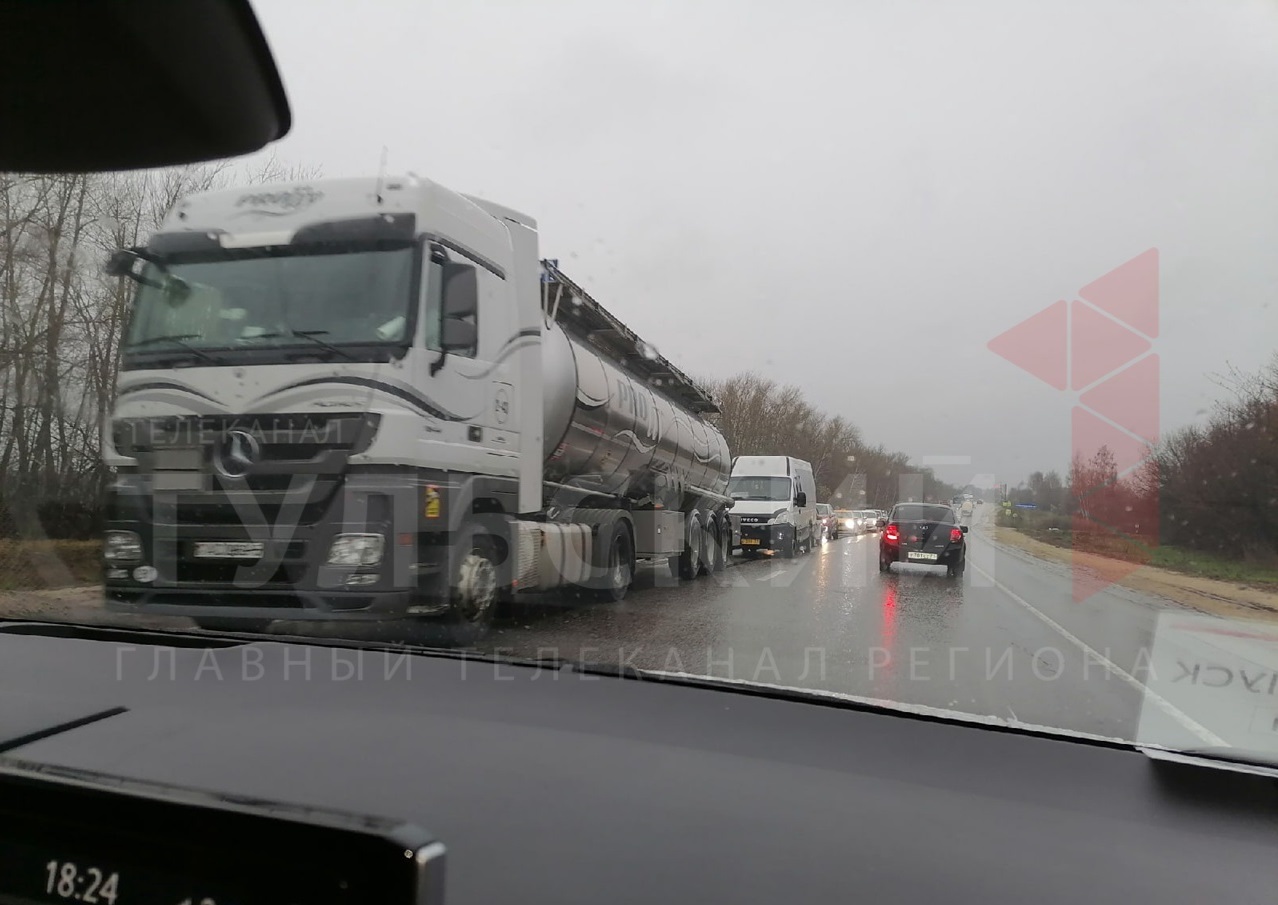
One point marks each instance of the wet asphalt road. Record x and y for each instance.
(1005, 640)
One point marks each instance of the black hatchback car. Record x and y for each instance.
(928, 534)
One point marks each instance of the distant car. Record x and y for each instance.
(829, 521)
(927, 534)
(869, 520)
(980, 502)
(849, 521)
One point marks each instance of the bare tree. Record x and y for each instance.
(761, 417)
(61, 320)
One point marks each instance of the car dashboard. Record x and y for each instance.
(542, 783)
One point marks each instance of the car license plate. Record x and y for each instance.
(918, 555)
(749, 542)
(229, 550)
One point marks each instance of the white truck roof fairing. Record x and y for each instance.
(267, 214)
(500, 211)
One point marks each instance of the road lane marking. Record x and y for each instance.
(1186, 721)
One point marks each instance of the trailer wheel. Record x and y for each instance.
(621, 567)
(689, 562)
(722, 541)
(709, 546)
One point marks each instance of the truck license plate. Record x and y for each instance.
(917, 555)
(229, 550)
(749, 542)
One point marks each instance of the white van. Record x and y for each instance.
(774, 505)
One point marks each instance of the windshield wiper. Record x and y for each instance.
(178, 339)
(313, 336)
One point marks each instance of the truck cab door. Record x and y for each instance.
(468, 368)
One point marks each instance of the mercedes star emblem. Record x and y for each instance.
(237, 455)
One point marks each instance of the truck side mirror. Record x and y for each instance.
(122, 263)
(457, 310)
(800, 499)
(458, 335)
(461, 291)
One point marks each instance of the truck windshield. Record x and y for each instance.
(760, 488)
(275, 297)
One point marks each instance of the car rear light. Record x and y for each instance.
(892, 534)
(956, 535)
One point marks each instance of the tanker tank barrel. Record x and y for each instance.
(589, 322)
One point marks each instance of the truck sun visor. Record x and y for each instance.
(379, 227)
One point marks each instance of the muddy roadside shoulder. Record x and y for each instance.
(80, 604)
(1205, 595)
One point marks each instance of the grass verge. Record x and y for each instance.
(1192, 585)
(28, 565)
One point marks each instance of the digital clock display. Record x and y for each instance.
(92, 840)
(29, 874)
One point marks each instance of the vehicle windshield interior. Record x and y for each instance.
(475, 359)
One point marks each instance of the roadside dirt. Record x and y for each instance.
(75, 604)
(1207, 595)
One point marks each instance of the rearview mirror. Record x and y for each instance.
(963, 528)
(173, 83)
(800, 499)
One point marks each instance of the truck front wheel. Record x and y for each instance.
(474, 592)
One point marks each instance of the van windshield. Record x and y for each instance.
(760, 488)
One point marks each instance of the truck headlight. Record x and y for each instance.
(356, 550)
(122, 546)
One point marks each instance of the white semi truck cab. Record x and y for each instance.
(363, 399)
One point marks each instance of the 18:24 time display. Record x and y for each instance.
(92, 886)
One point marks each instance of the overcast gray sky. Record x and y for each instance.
(854, 196)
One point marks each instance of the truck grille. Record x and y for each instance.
(292, 456)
